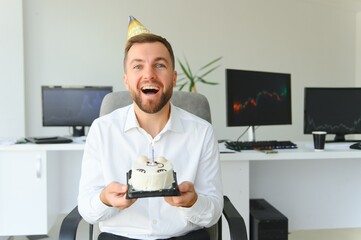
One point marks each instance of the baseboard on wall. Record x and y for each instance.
(6, 238)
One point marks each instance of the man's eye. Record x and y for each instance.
(137, 67)
(160, 65)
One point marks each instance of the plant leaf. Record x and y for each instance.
(182, 86)
(207, 82)
(190, 79)
(209, 71)
(210, 63)
(188, 67)
(181, 79)
(191, 85)
(185, 71)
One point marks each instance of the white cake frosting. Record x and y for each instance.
(148, 177)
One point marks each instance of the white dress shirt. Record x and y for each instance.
(187, 141)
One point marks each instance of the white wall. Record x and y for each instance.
(81, 42)
(358, 50)
(12, 106)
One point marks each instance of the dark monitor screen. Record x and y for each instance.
(334, 110)
(72, 106)
(255, 98)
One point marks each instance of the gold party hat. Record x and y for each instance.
(135, 27)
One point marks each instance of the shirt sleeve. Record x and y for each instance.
(92, 182)
(208, 184)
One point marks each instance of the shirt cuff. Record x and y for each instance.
(97, 205)
(193, 213)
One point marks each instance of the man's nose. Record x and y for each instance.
(149, 72)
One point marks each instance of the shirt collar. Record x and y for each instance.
(131, 120)
(174, 123)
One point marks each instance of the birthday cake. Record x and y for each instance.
(151, 176)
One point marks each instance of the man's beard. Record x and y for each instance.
(152, 106)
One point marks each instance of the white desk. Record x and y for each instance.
(33, 182)
(313, 189)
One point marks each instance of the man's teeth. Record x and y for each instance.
(150, 89)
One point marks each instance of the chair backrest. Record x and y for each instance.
(192, 102)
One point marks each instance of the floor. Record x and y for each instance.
(330, 234)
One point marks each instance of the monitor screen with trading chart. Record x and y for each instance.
(334, 110)
(255, 98)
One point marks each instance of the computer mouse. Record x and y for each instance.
(356, 146)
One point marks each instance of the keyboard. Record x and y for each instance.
(48, 140)
(259, 145)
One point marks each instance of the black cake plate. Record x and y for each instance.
(132, 193)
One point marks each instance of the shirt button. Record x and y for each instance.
(154, 222)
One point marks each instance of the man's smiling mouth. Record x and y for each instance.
(150, 90)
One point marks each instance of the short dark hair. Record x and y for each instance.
(148, 38)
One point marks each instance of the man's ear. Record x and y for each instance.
(125, 80)
(175, 74)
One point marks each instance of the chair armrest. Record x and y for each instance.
(237, 227)
(70, 225)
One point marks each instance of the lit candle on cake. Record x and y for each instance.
(152, 161)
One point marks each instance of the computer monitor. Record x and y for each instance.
(256, 98)
(334, 110)
(75, 107)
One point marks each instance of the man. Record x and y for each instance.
(151, 122)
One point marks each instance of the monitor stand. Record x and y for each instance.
(78, 131)
(251, 134)
(339, 138)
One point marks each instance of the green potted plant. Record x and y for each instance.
(190, 79)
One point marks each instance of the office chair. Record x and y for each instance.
(191, 102)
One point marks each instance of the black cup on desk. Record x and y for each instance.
(319, 139)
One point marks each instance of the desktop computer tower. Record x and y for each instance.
(266, 222)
